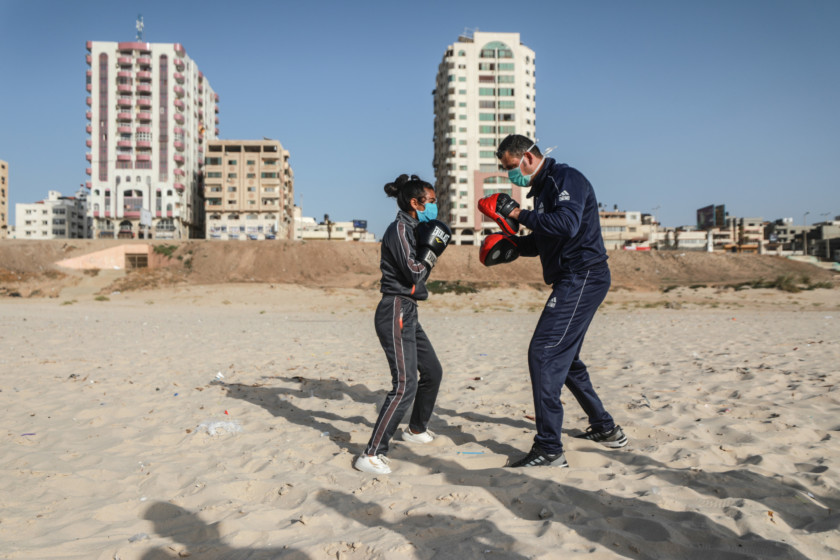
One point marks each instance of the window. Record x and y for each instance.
(231, 175)
(462, 92)
(231, 162)
(272, 175)
(214, 161)
(507, 130)
(231, 189)
(505, 79)
(487, 154)
(506, 66)
(250, 175)
(484, 129)
(505, 92)
(486, 142)
(486, 104)
(486, 116)
(505, 104)
(214, 174)
(486, 91)
(506, 116)
(251, 162)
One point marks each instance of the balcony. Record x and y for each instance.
(179, 64)
(201, 149)
(178, 158)
(123, 143)
(144, 129)
(124, 128)
(88, 115)
(88, 101)
(216, 109)
(124, 88)
(88, 143)
(87, 184)
(87, 171)
(89, 87)
(179, 104)
(124, 102)
(179, 146)
(179, 172)
(144, 61)
(144, 117)
(124, 117)
(200, 88)
(178, 77)
(144, 88)
(89, 129)
(89, 45)
(124, 74)
(179, 187)
(177, 130)
(145, 144)
(179, 118)
(145, 102)
(89, 156)
(179, 49)
(217, 131)
(216, 97)
(144, 76)
(125, 61)
(179, 91)
(123, 157)
(87, 59)
(216, 120)
(144, 157)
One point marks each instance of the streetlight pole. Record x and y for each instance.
(655, 227)
(805, 234)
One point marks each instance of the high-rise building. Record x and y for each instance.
(4, 199)
(249, 190)
(55, 217)
(150, 115)
(484, 91)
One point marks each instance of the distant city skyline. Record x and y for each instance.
(662, 105)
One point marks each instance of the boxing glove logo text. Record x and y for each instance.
(440, 236)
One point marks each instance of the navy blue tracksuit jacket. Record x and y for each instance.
(567, 238)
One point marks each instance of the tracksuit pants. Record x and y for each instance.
(554, 355)
(408, 351)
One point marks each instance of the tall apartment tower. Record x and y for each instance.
(249, 190)
(484, 91)
(4, 199)
(150, 115)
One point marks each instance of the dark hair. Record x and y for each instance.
(515, 145)
(406, 187)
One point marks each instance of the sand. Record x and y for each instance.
(220, 422)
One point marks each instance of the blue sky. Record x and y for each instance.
(659, 103)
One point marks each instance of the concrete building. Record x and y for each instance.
(55, 217)
(627, 229)
(484, 90)
(309, 229)
(248, 190)
(4, 200)
(150, 115)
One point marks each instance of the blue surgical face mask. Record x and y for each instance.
(429, 213)
(517, 177)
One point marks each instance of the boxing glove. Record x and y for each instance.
(497, 207)
(432, 238)
(498, 248)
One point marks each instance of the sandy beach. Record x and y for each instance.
(221, 421)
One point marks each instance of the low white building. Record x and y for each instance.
(308, 229)
(55, 217)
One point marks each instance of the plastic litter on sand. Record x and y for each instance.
(220, 427)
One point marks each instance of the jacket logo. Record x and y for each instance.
(540, 208)
(552, 302)
(563, 196)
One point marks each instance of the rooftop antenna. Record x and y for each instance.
(139, 26)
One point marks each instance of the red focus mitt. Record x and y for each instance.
(497, 248)
(497, 207)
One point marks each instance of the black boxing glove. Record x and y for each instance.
(498, 207)
(498, 248)
(432, 238)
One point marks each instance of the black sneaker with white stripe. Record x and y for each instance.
(539, 458)
(611, 438)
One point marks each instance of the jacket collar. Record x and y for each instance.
(407, 219)
(538, 181)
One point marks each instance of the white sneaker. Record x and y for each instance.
(373, 464)
(423, 437)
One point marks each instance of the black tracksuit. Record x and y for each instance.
(406, 345)
(567, 237)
